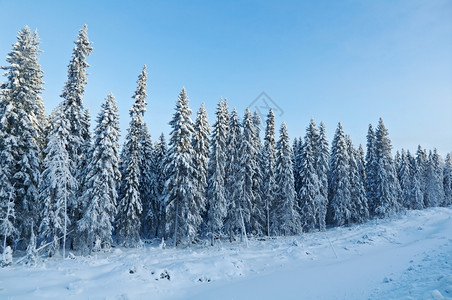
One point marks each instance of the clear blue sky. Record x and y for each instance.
(348, 61)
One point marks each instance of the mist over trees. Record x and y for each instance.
(63, 187)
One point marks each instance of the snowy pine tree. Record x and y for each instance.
(201, 160)
(268, 169)
(157, 197)
(371, 171)
(182, 214)
(73, 92)
(339, 210)
(322, 168)
(257, 217)
(416, 195)
(405, 179)
(73, 110)
(234, 222)
(57, 185)
(128, 220)
(422, 164)
(96, 225)
(297, 165)
(247, 171)
(285, 216)
(359, 208)
(387, 186)
(216, 189)
(434, 192)
(309, 192)
(447, 180)
(149, 217)
(22, 119)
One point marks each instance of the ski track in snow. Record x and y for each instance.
(408, 257)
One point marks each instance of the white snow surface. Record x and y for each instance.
(408, 257)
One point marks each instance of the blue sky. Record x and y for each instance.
(348, 61)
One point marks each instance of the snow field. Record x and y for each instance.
(408, 257)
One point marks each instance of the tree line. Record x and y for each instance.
(63, 187)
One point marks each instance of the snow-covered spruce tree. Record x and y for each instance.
(371, 171)
(422, 164)
(201, 159)
(416, 195)
(57, 185)
(160, 151)
(434, 192)
(149, 217)
(447, 180)
(297, 149)
(322, 168)
(74, 111)
(247, 171)
(339, 209)
(183, 217)
(268, 169)
(96, 225)
(387, 185)
(285, 216)
(22, 118)
(257, 217)
(128, 220)
(234, 222)
(359, 208)
(309, 192)
(405, 179)
(73, 92)
(216, 189)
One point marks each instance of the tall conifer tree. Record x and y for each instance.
(128, 221)
(96, 225)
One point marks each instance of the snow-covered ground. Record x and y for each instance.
(409, 257)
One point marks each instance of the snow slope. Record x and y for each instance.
(409, 257)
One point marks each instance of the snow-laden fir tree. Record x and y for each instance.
(434, 192)
(416, 195)
(285, 216)
(96, 225)
(257, 217)
(322, 168)
(149, 217)
(371, 170)
(234, 222)
(22, 119)
(128, 222)
(73, 110)
(339, 209)
(309, 192)
(387, 185)
(297, 149)
(200, 161)
(57, 185)
(216, 189)
(247, 170)
(405, 179)
(359, 208)
(158, 204)
(73, 92)
(268, 169)
(447, 180)
(422, 164)
(181, 190)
